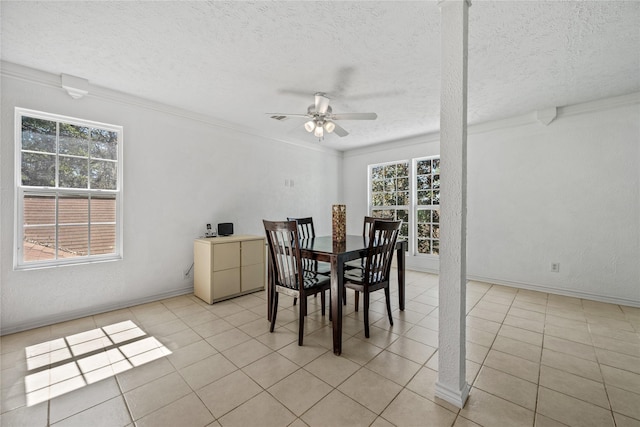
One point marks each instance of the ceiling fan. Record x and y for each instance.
(322, 119)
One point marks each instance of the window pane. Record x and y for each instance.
(390, 171)
(103, 175)
(403, 184)
(39, 243)
(38, 170)
(403, 198)
(73, 210)
(103, 239)
(424, 197)
(424, 167)
(103, 209)
(74, 140)
(403, 215)
(436, 197)
(389, 185)
(424, 215)
(436, 165)
(435, 247)
(104, 144)
(73, 241)
(382, 214)
(436, 216)
(73, 172)
(377, 185)
(377, 172)
(436, 181)
(424, 246)
(402, 169)
(404, 231)
(435, 231)
(424, 231)
(424, 182)
(39, 210)
(389, 199)
(38, 135)
(378, 199)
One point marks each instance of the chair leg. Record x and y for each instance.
(274, 310)
(357, 300)
(344, 296)
(323, 301)
(365, 296)
(301, 315)
(388, 298)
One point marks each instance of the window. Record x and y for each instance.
(390, 194)
(427, 185)
(412, 195)
(68, 179)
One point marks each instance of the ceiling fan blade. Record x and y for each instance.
(354, 116)
(340, 131)
(281, 116)
(322, 103)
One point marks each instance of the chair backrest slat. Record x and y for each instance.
(367, 224)
(284, 247)
(305, 227)
(306, 231)
(382, 241)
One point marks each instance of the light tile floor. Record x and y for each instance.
(533, 359)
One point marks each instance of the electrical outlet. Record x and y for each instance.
(555, 267)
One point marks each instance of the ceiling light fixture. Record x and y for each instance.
(329, 126)
(310, 125)
(319, 131)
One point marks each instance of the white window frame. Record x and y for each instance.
(406, 207)
(415, 206)
(55, 191)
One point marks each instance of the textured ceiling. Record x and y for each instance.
(236, 61)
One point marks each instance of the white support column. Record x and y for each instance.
(452, 385)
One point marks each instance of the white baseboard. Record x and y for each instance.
(557, 291)
(543, 288)
(71, 315)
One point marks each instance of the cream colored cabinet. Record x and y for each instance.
(225, 267)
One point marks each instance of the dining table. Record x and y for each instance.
(324, 248)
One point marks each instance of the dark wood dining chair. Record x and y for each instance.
(307, 231)
(366, 228)
(289, 276)
(377, 266)
(359, 263)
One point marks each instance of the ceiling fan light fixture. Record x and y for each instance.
(329, 126)
(319, 132)
(310, 125)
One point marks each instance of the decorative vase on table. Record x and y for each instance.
(339, 219)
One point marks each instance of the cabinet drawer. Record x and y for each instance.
(252, 277)
(225, 283)
(226, 256)
(252, 252)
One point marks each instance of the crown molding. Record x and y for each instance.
(532, 118)
(32, 75)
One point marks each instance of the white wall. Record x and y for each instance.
(179, 174)
(568, 192)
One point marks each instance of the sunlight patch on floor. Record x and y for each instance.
(65, 364)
